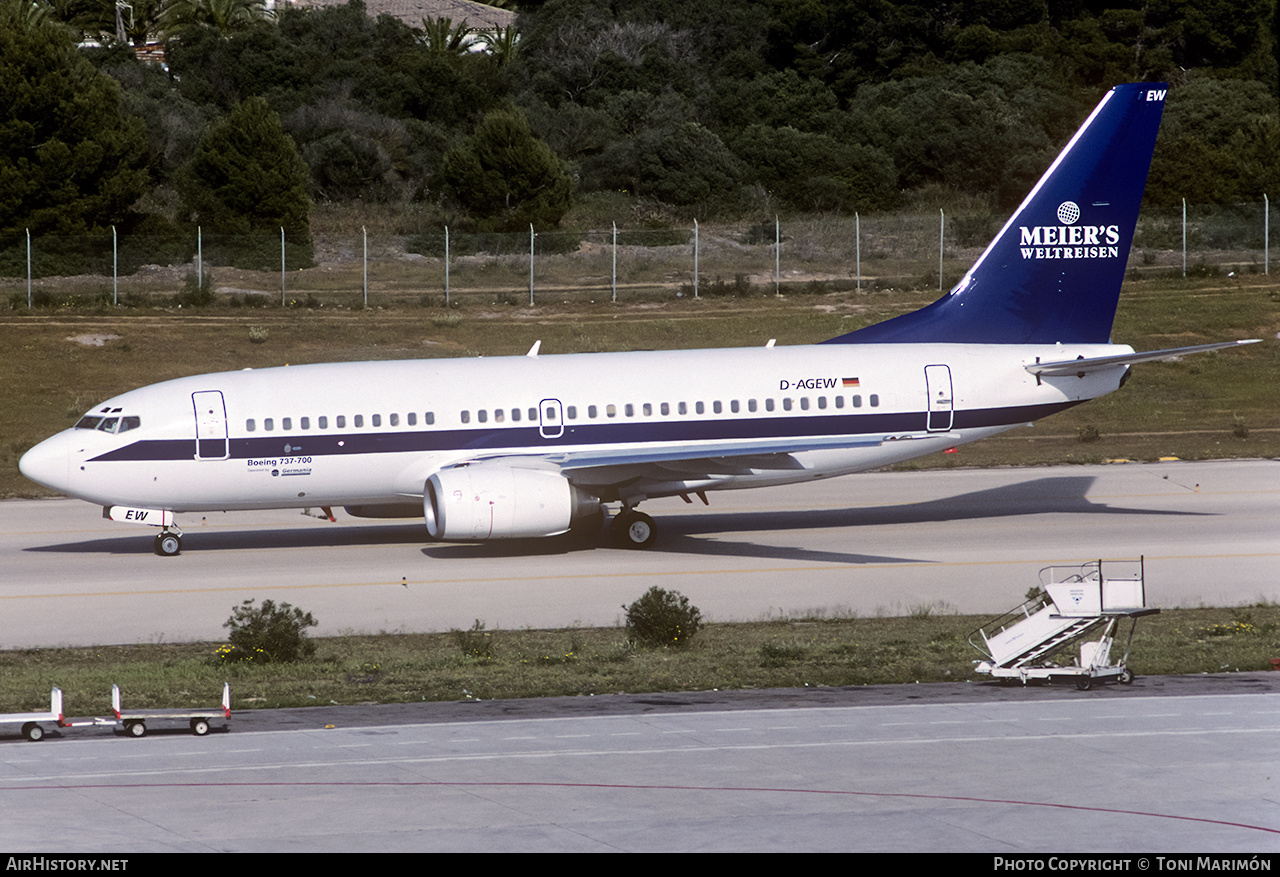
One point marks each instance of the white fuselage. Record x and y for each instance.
(370, 434)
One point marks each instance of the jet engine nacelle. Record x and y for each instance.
(472, 503)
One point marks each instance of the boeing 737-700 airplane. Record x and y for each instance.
(525, 446)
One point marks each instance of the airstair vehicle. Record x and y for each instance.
(1073, 602)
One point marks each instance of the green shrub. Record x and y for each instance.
(268, 633)
(662, 618)
(474, 643)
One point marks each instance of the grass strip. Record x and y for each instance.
(929, 645)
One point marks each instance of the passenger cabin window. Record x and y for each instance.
(249, 425)
(342, 421)
(376, 420)
(268, 424)
(358, 420)
(322, 422)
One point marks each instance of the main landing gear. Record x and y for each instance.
(169, 543)
(633, 529)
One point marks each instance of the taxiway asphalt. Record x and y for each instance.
(1165, 766)
(964, 540)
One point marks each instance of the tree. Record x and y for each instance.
(817, 172)
(686, 165)
(505, 177)
(442, 38)
(224, 16)
(246, 176)
(71, 160)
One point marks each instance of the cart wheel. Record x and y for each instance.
(199, 727)
(1126, 676)
(32, 731)
(1084, 683)
(136, 729)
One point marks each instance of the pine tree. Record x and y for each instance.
(246, 176)
(71, 160)
(507, 178)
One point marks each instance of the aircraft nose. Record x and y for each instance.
(47, 463)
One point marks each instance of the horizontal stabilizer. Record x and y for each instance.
(1084, 365)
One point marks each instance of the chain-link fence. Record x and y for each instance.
(887, 251)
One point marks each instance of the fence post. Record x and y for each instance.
(857, 248)
(446, 266)
(531, 264)
(777, 256)
(942, 227)
(1184, 237)
(282, 266)
(615, 261)
(28, 269)
(1266, 233)
(695, 258)
(199, 260)
(115, 269)
(364, 259)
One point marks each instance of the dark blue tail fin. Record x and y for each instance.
(1054, 271)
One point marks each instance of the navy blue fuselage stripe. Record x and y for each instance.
(527, 438)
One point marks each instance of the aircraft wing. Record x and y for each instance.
(1083, 365)
(700, 460)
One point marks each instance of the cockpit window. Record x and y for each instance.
(109, 424)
